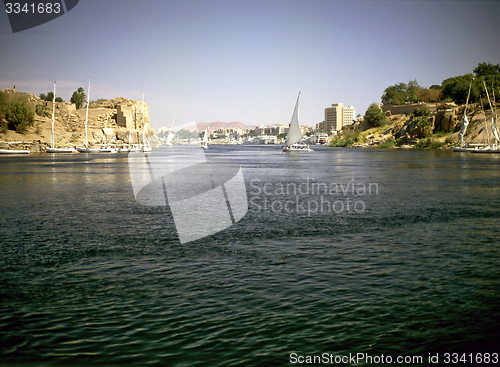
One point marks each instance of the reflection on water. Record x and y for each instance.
(90, 276)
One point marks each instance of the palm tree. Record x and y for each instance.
(79, 98)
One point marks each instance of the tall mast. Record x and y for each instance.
(130, 134)
(105, 127)
(485, 126)
(465, 122)
(143, 126)
(494, 122)
(494, 101)
(487, 95)
(468, 95)
(85, 142)
(52, 136)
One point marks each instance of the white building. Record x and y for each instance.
(337, 116)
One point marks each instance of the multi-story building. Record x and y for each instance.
(333, 117)
(349, 113)
(337, 116)
(320, 127)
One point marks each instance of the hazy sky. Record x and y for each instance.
(239, 60)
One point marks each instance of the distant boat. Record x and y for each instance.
(52, 148)
(85, 148)
(170, 136)
(204, 141)
(105, 146)
(131, 147)
(459, 149)
(14, 151)
(294, 135)
(463, 127)
(486, 150)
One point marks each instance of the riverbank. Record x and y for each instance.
(421, 129)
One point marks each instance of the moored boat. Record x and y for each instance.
(14, 151)
(52, 148)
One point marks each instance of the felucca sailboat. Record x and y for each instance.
(86, 148)
(491, 147)
(204, 141)
(294, 135)
(463, 127)
(52, 148)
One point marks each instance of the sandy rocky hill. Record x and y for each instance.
(118, 120)
(404, 130)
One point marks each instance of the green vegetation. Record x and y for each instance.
(8, 98)
(375, 116)
(424, 124)
(347, 137)
(453, 89)
(429, 143)
(410, 92)
(422, 111)
(456, 89)
(49, 97)
(42, 110)
(186, 134)
(440, 134)
(19, 116)
(99, 101)
(79, 98)
(386, 144)
(341, 143)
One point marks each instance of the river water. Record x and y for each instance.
(341, 251)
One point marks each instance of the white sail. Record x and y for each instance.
(204, 140)
(465, 122)
(170, 137)
(294, 132)
(494, 129)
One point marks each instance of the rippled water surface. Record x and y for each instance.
(399, 257)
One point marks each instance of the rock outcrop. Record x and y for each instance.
(116, 121)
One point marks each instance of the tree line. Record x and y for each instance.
(453, 89)
(79, 98)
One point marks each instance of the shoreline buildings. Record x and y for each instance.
(336, 117)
